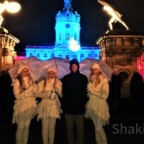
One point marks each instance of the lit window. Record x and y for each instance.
(67, 57)
(59, 36)
(82, 56)
(31, 54)
(60, 56)
(52, 55)
(74, 57)
(96, 56)
(75, 36)
(45, 54)
(67, 36)
(38, 55)
(89, 55)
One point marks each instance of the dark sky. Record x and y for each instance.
(34, 24)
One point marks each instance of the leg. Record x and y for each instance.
(45, 130)
(51, 127)
(70, 128)
(19, 132)
(111, 21)
(99, 131)
(26, 132)
(79, 119)
(124, 24)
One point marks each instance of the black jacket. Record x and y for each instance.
(74, 93)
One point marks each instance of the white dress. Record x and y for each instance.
(25, 104)
(49, 107)
(97, 103)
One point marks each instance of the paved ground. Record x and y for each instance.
(126, 124)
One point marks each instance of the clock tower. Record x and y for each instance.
(67, 26)
(67, 39)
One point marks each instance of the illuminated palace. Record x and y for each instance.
(67, 42)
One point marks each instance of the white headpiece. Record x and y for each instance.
(52, 68)
(21, 67)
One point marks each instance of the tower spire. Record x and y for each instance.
(67, 4)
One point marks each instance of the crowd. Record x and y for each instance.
(75, 97)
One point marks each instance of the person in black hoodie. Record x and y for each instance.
(74, 88)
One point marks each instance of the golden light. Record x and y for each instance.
(12, 7)
(115, 15)
(2, 8)
(109, 10)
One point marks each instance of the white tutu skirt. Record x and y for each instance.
(48, 108)
(24, 109)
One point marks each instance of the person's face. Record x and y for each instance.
(25, 72)
(74, 68)
(95, 71)
(51, 75)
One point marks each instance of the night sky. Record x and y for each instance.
(34, 24)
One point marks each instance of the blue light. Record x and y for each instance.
(67, 40)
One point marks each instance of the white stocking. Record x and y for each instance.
(99, 131)
(19, 133)
(25, 135)
(26, 132)
(45, 130)
(52, 123)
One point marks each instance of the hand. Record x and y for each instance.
(92, 78)
(97, 81)
(33, 88)
(89, 91)
(57, 85)
(89, 86)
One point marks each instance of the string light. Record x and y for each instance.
(11, 7)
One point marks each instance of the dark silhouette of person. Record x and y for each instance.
(115, 92)
(74, 89)
(136, 92)
(6, 109)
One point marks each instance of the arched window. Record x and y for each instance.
(59, 36)
(67, 36)
(75, 36)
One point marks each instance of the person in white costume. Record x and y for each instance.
(49, 107)
(97, 108)
(25, 105)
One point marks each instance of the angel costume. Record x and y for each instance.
(25, 105)
(97, 108)
(49, 107)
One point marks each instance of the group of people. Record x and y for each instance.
(75, 95)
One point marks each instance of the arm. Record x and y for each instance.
(19, 94)
(44, 95)
(40, 91)
(58, 88)
(100, 91)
